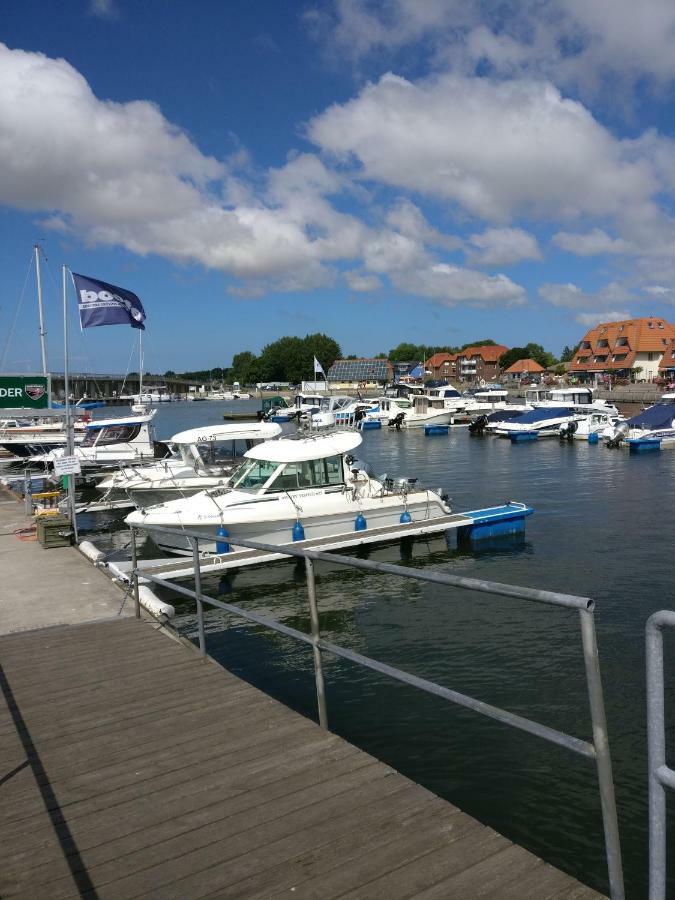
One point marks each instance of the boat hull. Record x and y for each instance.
(378, 514)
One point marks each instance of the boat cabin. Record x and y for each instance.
(295, 465)
(218, 445)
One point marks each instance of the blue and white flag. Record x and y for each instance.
(101, 303)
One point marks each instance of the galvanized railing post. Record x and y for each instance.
(134, 573)
(659, 773)
(198, 595)
(316, 637)
(603, 759)
(28, 493)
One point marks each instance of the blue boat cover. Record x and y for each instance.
(659, 416)
(542, 414)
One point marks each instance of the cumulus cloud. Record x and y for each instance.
(103, 9)
(589, 307)
(495, 148)
(120, 173)
(451, 285)
(503, 246)
(607, 315)
(362, 282)
(569, 41)
(592, 243)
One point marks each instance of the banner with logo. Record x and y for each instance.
(101, 303)
(24, 391)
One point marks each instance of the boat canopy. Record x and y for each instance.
(542, 414)
(321, 447)
(659, 416)
(251, 431)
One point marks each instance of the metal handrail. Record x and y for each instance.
(597, 750)
(661, 775)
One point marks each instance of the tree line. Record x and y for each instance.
(291, 359)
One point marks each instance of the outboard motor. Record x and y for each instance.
(620, 432)
(568, 431)
(478, 425)
(397, 421)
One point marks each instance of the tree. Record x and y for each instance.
(488, 342)
(568, 353)
(531, 351)
(407, 352)
(169, 373)
(292, 358)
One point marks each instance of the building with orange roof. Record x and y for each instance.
(622, 348)
(441, 366)
(480, 363)
(523, 369)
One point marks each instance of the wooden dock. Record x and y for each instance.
(131, 768)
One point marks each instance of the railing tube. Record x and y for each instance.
(656, 750)
(134, 573)
(316, 637)
(198, 595)
(602, 755)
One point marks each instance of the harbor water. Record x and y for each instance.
(602, 528)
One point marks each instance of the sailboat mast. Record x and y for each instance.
(38, 274)
(140, 365)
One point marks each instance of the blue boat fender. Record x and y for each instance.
(405, 517)
(298, 531)
(222, 546)
(360, 523)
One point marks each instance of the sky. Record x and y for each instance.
(433, 171)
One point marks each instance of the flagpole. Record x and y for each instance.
(70, 440)
(140, 365)
(43, 350)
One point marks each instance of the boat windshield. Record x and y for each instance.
(255, 474)
(211, 453)
(110, 434)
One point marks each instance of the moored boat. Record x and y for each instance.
(294, 489)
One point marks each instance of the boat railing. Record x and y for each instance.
(596, 750)
(661, 775)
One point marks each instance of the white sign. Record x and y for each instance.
(67, 465)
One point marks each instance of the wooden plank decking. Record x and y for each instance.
(132, 769)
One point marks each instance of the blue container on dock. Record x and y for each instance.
(521, 437)
(593, 437)
(436, 429)
(495, 521)
(643, 445)
(371, 426)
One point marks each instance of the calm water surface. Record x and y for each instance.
(603, 527)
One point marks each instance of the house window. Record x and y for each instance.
(600, 358)
(585, 345)
(619, 357)
(622, 342)
(603, 343)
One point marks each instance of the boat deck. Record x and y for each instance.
(133, 769)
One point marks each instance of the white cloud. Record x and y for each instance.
(362, 282)
(593, 243)
(658, 290)
(409, 220)
(451, 285)
(590, 307)
(103, 9)
(590, 44)
(496, 148)
(607, 315)
(503, 246)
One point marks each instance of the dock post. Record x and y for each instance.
(198, 596)
(316, 637)
(28, 493)
(134, 572)
(603, 759)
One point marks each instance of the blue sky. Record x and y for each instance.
(428, 170)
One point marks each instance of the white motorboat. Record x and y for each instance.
(159, 394)
(289, 490)
(109, 442)
(340, 410)
(308, 404)
(535, 423)
(598, 423)
(39, 432)
(413, 412)
(204, 458)
(577, 398)
(451, 397)
(492, 399)
(655, 424)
